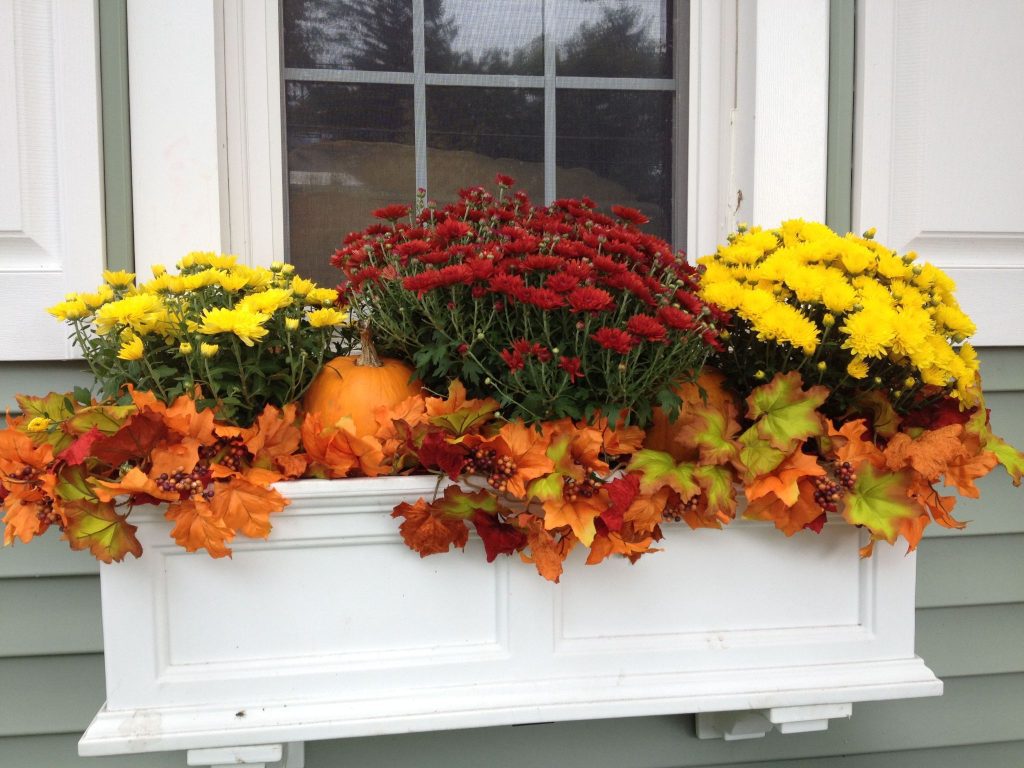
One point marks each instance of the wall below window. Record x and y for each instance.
(970, 618)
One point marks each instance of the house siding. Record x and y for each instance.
(970, 618)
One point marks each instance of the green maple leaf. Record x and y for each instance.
(73, 485)
(757, 455)
(712, 432)
(718, 488)
(108, 419)
(464, 419)
(660, 469)
(98, 527)
(546, 488)
(879, 499)
(458, 503)
(1007, 455)
(786, 413)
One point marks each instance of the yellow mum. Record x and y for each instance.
(322, 296)
(868, 334)
(71, 309)
(245, 324)
(142, 313)
(119, 279)
(321, 318)
(131, 349)
(268, 301)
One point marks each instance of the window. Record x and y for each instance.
(570, 97)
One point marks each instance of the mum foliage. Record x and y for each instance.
(557, 312)
(241, 337)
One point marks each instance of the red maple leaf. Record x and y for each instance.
(499, 538)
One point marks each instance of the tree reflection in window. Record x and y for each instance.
(612, 140)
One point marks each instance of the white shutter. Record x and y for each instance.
(51, 185)
(939, 157)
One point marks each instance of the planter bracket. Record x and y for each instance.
(753, 724)
(291, 755)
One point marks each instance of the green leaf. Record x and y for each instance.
(669, 402)
(83, 396)
(757, 455)
(1007, 455)
(718, 488)
(98, 527)
(458, 503)
(108, 419)
(54, 406)
(546, 488)
(787, 414)
(72, 484)
(660, 469)
(879, 499)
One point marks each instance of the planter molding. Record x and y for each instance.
(333, 628)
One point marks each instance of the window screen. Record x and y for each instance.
(570, 97)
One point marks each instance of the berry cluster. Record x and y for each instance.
(674, 511)
(191, 485)
(46, 514)
(22, 476)
(497, 469)
(229, 451)
(828, 492)
(572, 490)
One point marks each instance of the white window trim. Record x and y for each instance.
(206, 123)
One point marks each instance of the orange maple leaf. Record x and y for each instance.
(623, 543)
(21, 509)
(622, 440)
(783, 481)
(527, 449)
(168, 459)
(132, 482)
(17, 451)
(183, 418)
(98, 527)
(788, 518)
(849, 444)
(578, 514)
(930, 453)
(246, 506)
(292, 465)
(962, 472)
(339, 450)
(197, 526)
(940, 507)
(647, 511)
(912, 528)
(547, 552)
(273, 434)
(429, 532)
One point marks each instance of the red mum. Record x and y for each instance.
(542, 298)
(571, 365)
(590, 300)
(676, 318)
(504, 181)
(392, 212)
(615, 339)
(646, 327)
(631, 215)
(561, 282)
(513, 359)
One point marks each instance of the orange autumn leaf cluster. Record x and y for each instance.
(536, 491)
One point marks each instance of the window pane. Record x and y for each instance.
(474, 133)
(616, 147)
(350, 150)
(500, 38)
(348, 34)
(629, 38)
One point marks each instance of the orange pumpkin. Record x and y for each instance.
(355, 386)
(661, 434)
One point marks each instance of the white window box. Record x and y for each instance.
(333, 628)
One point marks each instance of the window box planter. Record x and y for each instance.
(333, 628)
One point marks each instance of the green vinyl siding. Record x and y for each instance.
(970, 619)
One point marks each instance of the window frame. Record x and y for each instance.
(216, 68)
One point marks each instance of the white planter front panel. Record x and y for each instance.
(333, 628)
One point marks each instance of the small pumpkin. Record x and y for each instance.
(356, 385)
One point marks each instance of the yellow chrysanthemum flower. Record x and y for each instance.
(727, 294)
(209, 350)
(215, 260)
(301, 286)
(292, 323)
(71, 309)
(954, 321)
(95, 300)
(142, 313)
(119, 279)
(322, 296)
(233, 281)
(131, 349)
(185, 348)
(245, 324)
(199, 280)
(159, 270)
(268, 301)
(38, 424)
(858, 368)
(321, 318)
(868, 333)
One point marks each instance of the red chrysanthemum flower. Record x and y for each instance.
(560, 282)
(504, 181)
(647, 327)
(615, 339)
(392, 212)
(510, 285)
(571, 365)
(540, 262)
(451, 229)
(542, 298)
(434, 258)
(676, 318)
(590, 300)
(608, 264)
(513, 360)
(412, 248)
